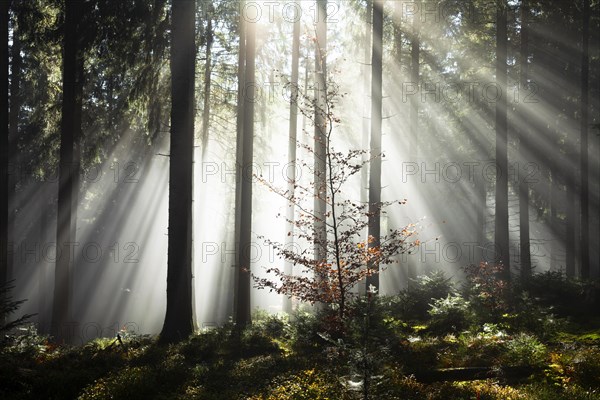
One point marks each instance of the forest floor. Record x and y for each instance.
(262, 364)
(415, 345)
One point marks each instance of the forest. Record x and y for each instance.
(300, 199)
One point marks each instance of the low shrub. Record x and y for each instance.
(524, 349)
(451, 314)
(413, 302)
(310, 384)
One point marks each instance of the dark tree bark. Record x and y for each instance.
(320, 175)
(375, 146)
(242, 313)
(501, 218)
(207, 80)
(364, 172)
(413, 114)
(525, 253)
(567, 57)
(366, 70)
(46, 219)
(481, 190)
(596, 204)
(585, 212)
(553, 218)
(239, 160)
(4, 141)
(292, 145)
(68, 175)
(178, 324)
(571, 215)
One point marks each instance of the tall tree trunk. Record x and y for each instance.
(364, 172)
(366, 71)
(525, 253)
(415, 55)
(239, 154)
(568, 167)
(554, 223)
(320, 175)
(178, 324)
(307, 61)
(76, 164)
(207, 80)
(481, 210)
(585, 213)
(4, 141)
(292, 145)
(501, 218)
(46, 212)
(15, 108)
(375, 147)
(596, 204)
(413, 139)
(242, 308)
(68, 177)
(571, 215)
(239, 161)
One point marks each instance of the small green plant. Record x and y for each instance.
(451, 314)
(413, 302)
(530, 316)
(524, 349)
(487, 292)
(8, 307)
(482, 348)
(587, 367)
(395, 385)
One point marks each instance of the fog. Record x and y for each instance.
(443, 165)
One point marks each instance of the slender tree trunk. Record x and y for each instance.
(501, 218)
(207, 80)
(239, 302)
(67, 190)
(292, 145)
(375, 148)
(178, 324)
(570, 219)
(4, 141)
(413, 137)
(481, 205)
(415, 54)
(554, 224)
(44, 266)
(585, 213)
(525, 253)
(15, 159)
(366, 71)
(320, 174)
(596, 204)
(242, 314)
(569, 170)
(364, 172)
(76, 164)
